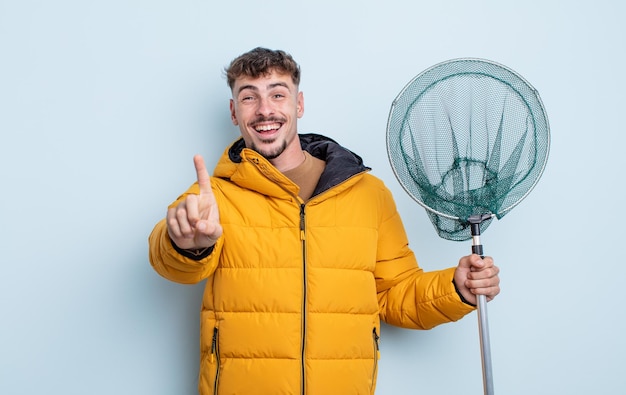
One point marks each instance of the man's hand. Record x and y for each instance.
(476, 276)
(195, 222)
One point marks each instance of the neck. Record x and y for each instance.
(290, 158)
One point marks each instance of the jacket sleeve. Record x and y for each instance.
(174, 266)
(408, 296)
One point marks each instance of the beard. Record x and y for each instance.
(271, 153)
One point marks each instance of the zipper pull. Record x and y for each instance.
(302, 222)
(213, 345)
(376, 337)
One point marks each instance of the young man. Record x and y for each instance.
(303, 252)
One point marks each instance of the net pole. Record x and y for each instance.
(483, 324)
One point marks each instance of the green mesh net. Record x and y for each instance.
(467, 137)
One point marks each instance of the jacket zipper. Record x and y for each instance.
(215, 354)
(304, 296)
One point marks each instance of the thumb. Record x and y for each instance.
(209, 229)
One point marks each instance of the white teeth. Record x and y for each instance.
(265, 128)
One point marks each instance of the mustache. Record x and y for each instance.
(264, 119)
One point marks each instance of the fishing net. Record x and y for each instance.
(467, 139)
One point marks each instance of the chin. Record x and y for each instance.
(269, 151)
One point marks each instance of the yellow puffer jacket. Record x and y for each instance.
(295, 292)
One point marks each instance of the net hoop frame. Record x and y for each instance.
(532, 93)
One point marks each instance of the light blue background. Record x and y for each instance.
(104, 103)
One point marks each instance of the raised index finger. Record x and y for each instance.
(204, 180)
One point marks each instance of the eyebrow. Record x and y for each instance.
(270, 86)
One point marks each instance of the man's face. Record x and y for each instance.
(266, 110)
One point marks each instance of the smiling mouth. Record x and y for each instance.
(268, 127)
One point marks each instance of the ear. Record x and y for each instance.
(300, 104)
(233, 116)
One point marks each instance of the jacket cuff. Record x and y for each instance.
(194, 254)
(461, 296)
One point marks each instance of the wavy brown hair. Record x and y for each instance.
(261, 62)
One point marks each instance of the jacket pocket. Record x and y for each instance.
(375, 340)
(210, 367)
(214, 358)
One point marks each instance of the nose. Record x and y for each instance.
(265, 107)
